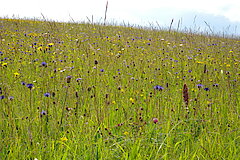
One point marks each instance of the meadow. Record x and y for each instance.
(91, 91)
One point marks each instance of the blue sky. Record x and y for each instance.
(221, 15)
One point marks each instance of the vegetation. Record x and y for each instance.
(88, 91)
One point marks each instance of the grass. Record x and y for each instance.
(87, 91)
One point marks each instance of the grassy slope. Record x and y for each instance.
(107, 114)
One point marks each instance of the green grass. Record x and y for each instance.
(105, 110)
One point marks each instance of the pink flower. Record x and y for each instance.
(155, 120)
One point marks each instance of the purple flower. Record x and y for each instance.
(30, 86)
(101, 70)
(47, 94)
(215, 85)
(44, 64)
(199, 85)
(43, 113)
(2, 97)
(206, 89)
(157, 87)
(23, 83)
(155, 120)
(78, 79)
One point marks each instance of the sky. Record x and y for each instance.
(219, 16)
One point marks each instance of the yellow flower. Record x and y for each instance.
(63, 139)
(126, 133)
(4, 64)
(132, 100)
(39, 48)
(113, 102)
(16, 74)
(50, 44)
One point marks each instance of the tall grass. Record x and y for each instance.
(87, 91)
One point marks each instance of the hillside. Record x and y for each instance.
(88, 91)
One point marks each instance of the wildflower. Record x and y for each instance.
(47, 94)
(63, 139)
(43, 113)
(78, 79)
(157, 87)
(155, 120)
(126, 133)
(30, 86)
(16, 74)
(206, 89)
(101, 70)
(185, 94)
(50, 44)
(2, 97)
(4, 64)
(132, 100)
(215, 85)
(44, 64)
(10, 98)
(199, 85)
(23, 83)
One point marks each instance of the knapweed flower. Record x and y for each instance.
(30, 86)
(155, 120)
(47, 94)
(157, 87)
